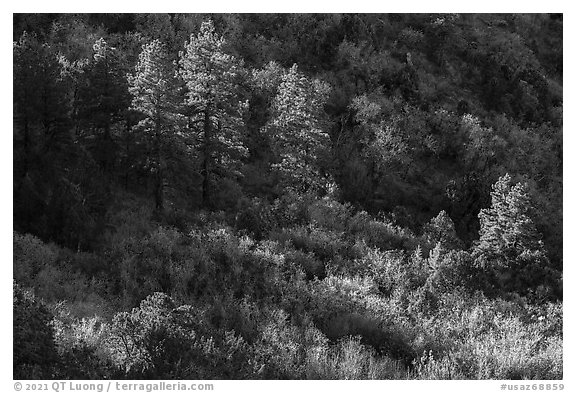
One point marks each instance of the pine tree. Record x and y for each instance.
(215, 115)
(506, 228)
(42, 139)
(296, 131)
(155, 88)
(102, 101)
(41, 104)
(441, 229)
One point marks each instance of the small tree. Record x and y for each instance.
(510, 245)
(441, 229)
(506, 228)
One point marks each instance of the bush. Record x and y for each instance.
(324, 244)
(478, 338)
(382, 233)
(308, 262)
(129, 218)
(82, 347)
(31, 255)
(160, 340)
(282, 347)
(147, 341)
(454, 269)
(291, 209)
(254, 216)
(330, 214)
(392, 270)
(350, 359)
(34, 350)
(342, 306)
(144, 265)
(297, 352)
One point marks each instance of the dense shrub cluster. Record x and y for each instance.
(325, 297)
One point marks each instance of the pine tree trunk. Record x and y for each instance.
(159, 192)
(26, 147)
(159, 186)
(206, 161)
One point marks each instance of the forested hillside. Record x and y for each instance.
(287, 196)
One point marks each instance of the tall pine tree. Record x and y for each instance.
(102, 102)
(42, 140)
(155, 87)
(215, 111)
(296, 131)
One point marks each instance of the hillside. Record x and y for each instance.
(288, 196)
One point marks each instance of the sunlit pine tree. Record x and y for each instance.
(215, 110)
(297, 133)
(156, 90)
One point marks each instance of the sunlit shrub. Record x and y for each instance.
(350, 359)
(160, 340)
(282, 347)
(324, 244)
(394, 270)
(344, 306)
(82, 347)
(478, 338)
(381, 233)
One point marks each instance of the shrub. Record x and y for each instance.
(54, 284)
(308, 262)
(393, 270)
(31, 255)
(82, 347)
(350, 359)
(330, 214)
(491, 356)
(382, 234)
(342, 306)
(144, 265)
(254, 216)
(454, 269)
(129, 218)
(34, 350)
(227, 194)
(282, 347)
(160, 340)
(291, 209)
(147, 341)
(324, 244)
(479, 338)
